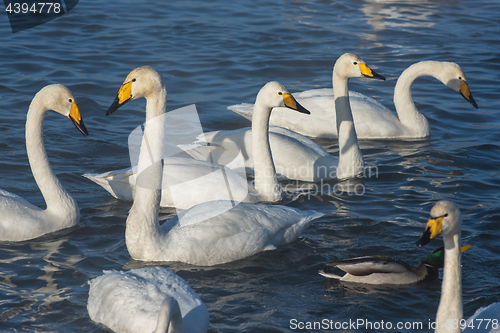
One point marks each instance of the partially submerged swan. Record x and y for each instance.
(152, 299)
(372, 119)
(20, 220)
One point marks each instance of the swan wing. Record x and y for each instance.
(220, 231)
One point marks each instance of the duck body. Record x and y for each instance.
(381, 270)
(387, 270)
(131, 301)
(19, 219)
(295, 156)
(372, 119)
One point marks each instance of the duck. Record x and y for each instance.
(296, 157)
(446, 220)
(22, 220)
(187, 181)
(372, 119)
(207, 234)
(387, 270)
(149, 299)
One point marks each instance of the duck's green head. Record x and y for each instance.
(436, 258)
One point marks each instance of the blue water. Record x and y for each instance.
(215, 54)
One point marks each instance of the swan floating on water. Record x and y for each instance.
(296, 156)
(446, 220)
(387, 270)
(188, 182)
(20, 220)
(209, 233)
(146, 300)
(372, 119)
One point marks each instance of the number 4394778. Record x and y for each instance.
(35, 8)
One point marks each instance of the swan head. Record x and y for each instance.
(60, 99)
(445, 219)
(350, 65)
(274, 94)
(141, 82)
(452, 75)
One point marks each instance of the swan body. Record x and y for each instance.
(372, 119)
(207, 234)
(188, 182)
(152, 299)
(294, 155)
(386, 270)
(19, 219)
(446, 220)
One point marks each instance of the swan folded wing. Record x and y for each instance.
(370, 265)
(21, 220)
(241, 231)
(130, 301)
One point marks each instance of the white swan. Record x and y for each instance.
(372, 119)
(20, 220)
(445, 219)
(207, 234)
(188, 182)
(296, 156)
(146, 300)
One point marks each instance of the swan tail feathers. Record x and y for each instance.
(244, 109)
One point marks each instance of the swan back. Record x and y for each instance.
(134, 301)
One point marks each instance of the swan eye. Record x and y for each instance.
(133, 80)
(279, 93)
(460, 78)
(445, 215)
(355, 63)
(70, 100)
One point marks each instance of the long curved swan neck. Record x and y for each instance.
(57, 199)
(143, 227)
(350, 157)
(170, 317)
(403, 100)
(266, 182)
(450, 306)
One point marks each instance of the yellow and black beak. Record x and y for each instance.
(465, 92)
(367, 72)
(291, 103)
(124, 95)
(434, 228)
(76, 119)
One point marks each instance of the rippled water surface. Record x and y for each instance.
(214, 54)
